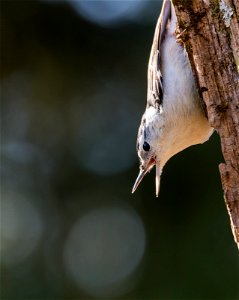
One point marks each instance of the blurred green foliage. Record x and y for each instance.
(73, 93)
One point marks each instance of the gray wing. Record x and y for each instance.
(155, 80)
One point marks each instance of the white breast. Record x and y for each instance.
(185, 121)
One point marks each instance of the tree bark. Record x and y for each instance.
(209, 30)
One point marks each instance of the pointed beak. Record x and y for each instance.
(141, 175)
(143, 172)
(157, 179)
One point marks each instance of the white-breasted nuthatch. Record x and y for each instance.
(174, 118)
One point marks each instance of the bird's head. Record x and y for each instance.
(148, 146)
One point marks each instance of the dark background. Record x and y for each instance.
(73, 89)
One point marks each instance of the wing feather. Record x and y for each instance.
(155, 80)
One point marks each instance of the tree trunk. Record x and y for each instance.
(209, 30)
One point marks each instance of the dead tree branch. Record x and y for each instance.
(209, 30)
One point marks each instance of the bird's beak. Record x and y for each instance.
(143, 172)
(157, 179)
(141, 175)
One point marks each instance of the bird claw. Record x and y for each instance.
(180, 36)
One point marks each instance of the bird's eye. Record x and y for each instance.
(146, 146)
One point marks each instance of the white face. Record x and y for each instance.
(145, 149)
(149, 136)
(148, 147)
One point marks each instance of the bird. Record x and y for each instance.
(174, 118)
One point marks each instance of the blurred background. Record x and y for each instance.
(73, 89)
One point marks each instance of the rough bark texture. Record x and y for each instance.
(209, 30)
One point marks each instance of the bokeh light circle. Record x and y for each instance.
(103, 248)
(108, 13)
(21, 227)
(104, 129)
